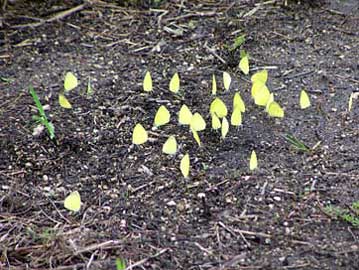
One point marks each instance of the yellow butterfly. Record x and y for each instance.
(238, 102)
(304, 100)
(218, 107)
(236, 118)
(185, 165)
(214, 85)
(226, 80)
(260, 94)
(197, 122)
(196, 136)
(225, 127)
(275, 110)
(139, 135)
(185, 115)
(244, 65)
(170, 146)
(216, 123)
(353, 95)
(253, 163)
(73, 201)
(89, 90)
(260, 77)
(162, 116)
(70, 81)
(64, 102)
(175, 83)
(147, 82)
(350, 103)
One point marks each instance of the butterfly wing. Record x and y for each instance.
(304, 100)
(63, 101)
(197, 122)
(226, 80)
(185, 115)
(218, 107)
(170, 146)
(225, 127)
(139, 135)
(275, 110)
(70, 81)
(216, 123)
(244, 65)
(253, 163)
(185, 165)
(73, 201)
(175, 83)
(162, 116)
(147, 82)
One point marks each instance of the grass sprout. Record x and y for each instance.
(296, 143)
(350, 215)
(41, 118)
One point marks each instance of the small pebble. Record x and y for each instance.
(171, 203)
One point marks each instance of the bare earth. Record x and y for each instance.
(136, 204)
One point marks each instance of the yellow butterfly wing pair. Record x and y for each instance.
(185, 165)
(175, 83)
(353, 95)
(63, 101)
(73, 201)
(147, 82)
(244, 64)
(70, 81)
(197, 122)
(139, 135)
(253, 163)
(304, 100)
(214, 85)
(162, 116)
(275, 110)
(218, 107)
(226, 80)
(170, 146)
(184, 115)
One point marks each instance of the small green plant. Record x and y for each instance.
(6, 80)
(296, 143)
(41, 118)
(238, 42)
(356, 206)
(44, 237)
(350, 215)
(120, 264)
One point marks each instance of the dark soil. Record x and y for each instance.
(136, 204)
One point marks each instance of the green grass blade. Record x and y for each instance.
(37, 102)
(238, 42)
(296, 143)
(42, 118)
(120, 264)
